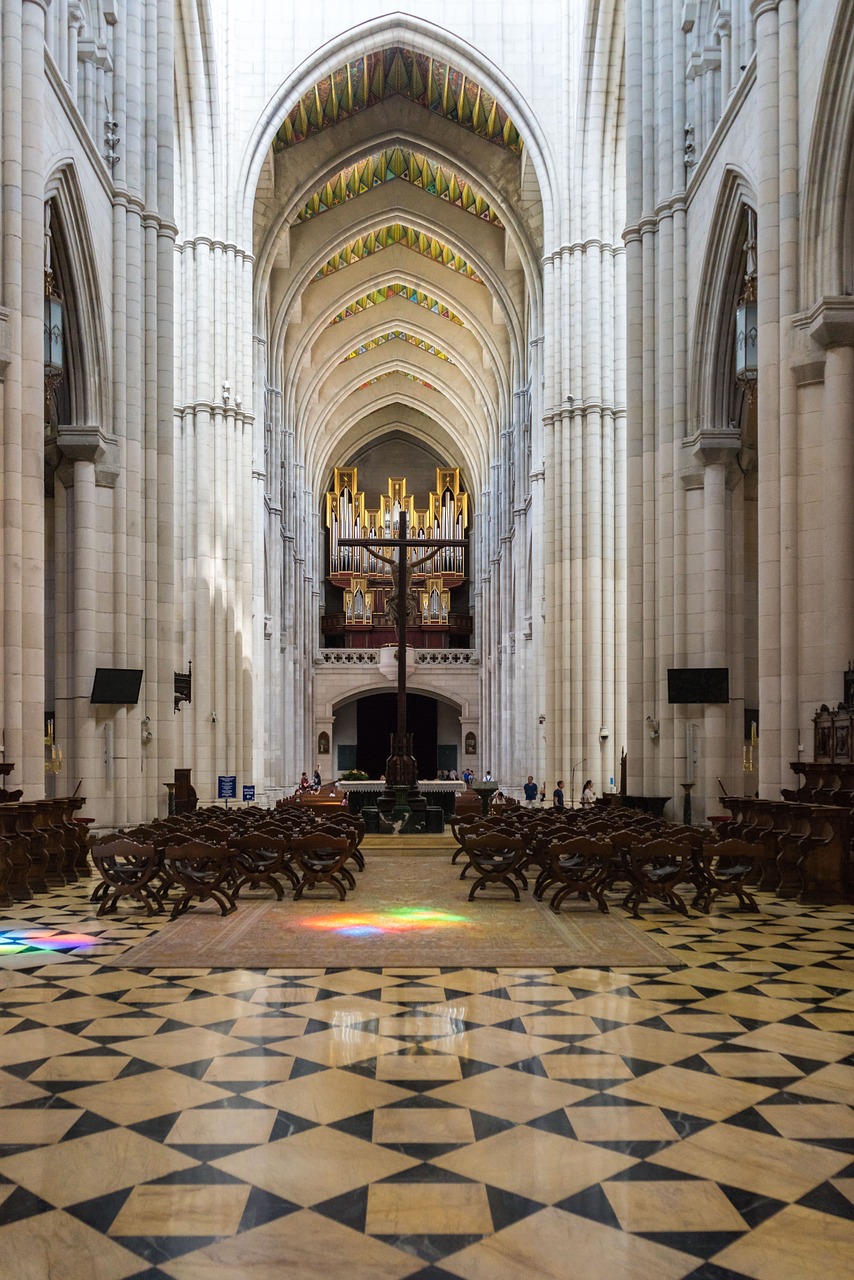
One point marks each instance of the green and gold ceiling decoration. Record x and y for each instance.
(397, 233)
(390, 374)
(377, 296)
(399, 335)
(408, 166)
(395, 71)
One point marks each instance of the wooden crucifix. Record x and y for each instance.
(401, 767)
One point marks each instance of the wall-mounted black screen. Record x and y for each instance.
(116, 684)
(698, 684)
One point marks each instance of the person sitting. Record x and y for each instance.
(304, 784)
(487, 777)
(453, 776)
(315, 782)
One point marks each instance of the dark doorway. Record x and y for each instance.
(376, 721)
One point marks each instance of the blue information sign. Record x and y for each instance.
(227, 787)
(249, 793)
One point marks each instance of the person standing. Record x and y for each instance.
(531, 790)
(557, 795)
(588, 795)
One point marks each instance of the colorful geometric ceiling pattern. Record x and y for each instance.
(390, 374)
(398, 335)
(376, 296)
(397, 233)
(378, 76)
(410, 166)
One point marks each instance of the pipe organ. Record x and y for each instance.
(366, 583)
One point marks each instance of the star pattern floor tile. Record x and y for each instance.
(690, 1122)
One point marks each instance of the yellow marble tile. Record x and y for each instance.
(542, 991)
(238, 1126)
(664, 991)
(206, 1010)
(327, 1096)
(791, 990)
(698, 1095)
(22, 1126)
(269, 1024)
(314, 1165)
(173, 1048)
(715, 979)
(225, 983)
(757, 1162)
(353, 1009)
(831, 976)
(690, 1023)
(396, 1125)
(585, 1066)
(266, 1067)
(428, 1208)
(28, 1046)
(419, 1024)
(41, 1246)
(559, 1024)
(313, 1246)
(759, 1008)
(831, 1083)
(284, 995)
(617, 1008)
(150, 995)
(648, 1044)
(547, 1244)
(845, 1186)
(110, 980)
(471, 980)
(482, 1009)
(672, 1206)
(533, 1163)
(621, 1124)
(800, 1042)
(512, 1095)
(340, 1046)
(795, 1244)
(126, 1026)
(743, 1066)
(418, 994)
(182, 1209)
(418, 1066)
(29, 995)
(83, 1168)
(843, 1020)
(13, 1090)
(811, 1120)
(77, 1066)
(589, 980)
(493, 1044)
(141, 1097)
(353, 981)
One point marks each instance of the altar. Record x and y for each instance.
(439, 793)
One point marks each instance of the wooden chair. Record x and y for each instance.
(127, 870)
(344, 823)
(259, 859)
(575, 864)
(655, 869)
(728, 866)
(203, 871)
(320, 858)
(496, 856)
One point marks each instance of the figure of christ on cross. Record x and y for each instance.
(401, 769)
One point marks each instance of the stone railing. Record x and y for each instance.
(371, 657)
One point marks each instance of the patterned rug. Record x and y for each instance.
(404, 911)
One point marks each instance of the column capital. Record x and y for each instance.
(759, 8)
(44, 5)
(831, 322)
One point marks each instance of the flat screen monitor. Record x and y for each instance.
(116, 685)
(698, 684)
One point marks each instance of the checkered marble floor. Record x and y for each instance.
(492, 1124)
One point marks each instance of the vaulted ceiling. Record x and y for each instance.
(396, 250)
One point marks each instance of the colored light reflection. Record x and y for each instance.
(369, 924)
(17, 940)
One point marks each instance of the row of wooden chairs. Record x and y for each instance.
(212, 857)
(588, 857)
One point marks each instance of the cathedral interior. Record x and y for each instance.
(565, 287)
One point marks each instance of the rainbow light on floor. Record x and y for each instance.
(368, 924)
(17, 940)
